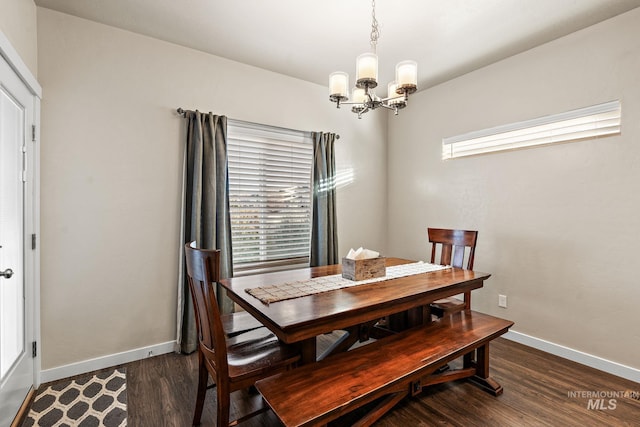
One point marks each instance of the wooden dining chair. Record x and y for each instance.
(451, 245)
(239, 321)
(234, 363)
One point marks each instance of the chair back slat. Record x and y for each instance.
(203, 271)
(453, 245)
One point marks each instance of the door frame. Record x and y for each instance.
(32, 196)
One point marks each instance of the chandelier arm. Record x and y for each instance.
(350, 103)
(369, 97)
(361, 112)
(388, 107)
(392, 98)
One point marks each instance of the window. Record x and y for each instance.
(590, 122)
(269, 196)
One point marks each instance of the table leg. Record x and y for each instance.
(307, 351)
(407, 319)
(469, 360)
(415, 317)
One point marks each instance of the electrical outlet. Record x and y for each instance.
(502, 301)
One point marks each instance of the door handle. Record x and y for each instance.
(7, 273)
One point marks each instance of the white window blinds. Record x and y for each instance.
(269, 196)
(590, 122)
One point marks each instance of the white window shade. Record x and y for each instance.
(590, 122)
(269, 195)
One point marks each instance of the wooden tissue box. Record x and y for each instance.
(363, 269)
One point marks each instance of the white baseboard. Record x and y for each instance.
(596, 362)
(108, 361)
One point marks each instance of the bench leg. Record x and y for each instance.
(482, 378)
(382, 408)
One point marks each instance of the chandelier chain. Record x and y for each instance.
(375, 33)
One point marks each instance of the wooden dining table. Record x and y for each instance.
(300, 320)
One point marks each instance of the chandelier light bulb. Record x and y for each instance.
(367, 70)
(358, 96)
(395, 99)
(407, 76)
(391, 90)
(339, 85)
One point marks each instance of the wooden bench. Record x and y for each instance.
(393, 368)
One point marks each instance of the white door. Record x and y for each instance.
(16, 294)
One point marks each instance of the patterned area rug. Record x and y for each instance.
(95, 400)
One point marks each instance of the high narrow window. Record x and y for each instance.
(269, 196)
(590, 122)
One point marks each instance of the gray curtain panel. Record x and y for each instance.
(206, 216)
(324, 230)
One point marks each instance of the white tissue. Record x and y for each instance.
(368, 254)
(362, 253)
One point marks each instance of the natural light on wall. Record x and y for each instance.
(590, 122)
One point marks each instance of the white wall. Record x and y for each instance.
(111, 170)
(18, 23)
(558, 226)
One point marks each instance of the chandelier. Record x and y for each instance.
(363, 97)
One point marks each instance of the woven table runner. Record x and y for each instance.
(316, 285)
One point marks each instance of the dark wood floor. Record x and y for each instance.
(537, 387)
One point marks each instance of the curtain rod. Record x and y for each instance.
(183, 113)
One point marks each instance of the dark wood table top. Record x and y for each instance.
(299, 319)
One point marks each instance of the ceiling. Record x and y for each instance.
(309, 39)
